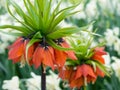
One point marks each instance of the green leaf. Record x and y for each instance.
(61, 17)
(24, 24)
(18, 28)
(58, 16)
(13, 34)
(63, 32)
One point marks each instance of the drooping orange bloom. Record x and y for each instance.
(49, 56)
(78, 77)
(44, 55)
(61, 56)
(17, 51)
(40, 53)
(98, 52)
(70, 54)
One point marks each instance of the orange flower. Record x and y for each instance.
(98, 52)
(70, 54)
(44, 55)
(80, 76)
(49, 56)
(40, 53)
(61, 56)
(17, 50)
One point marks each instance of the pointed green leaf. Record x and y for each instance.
(18, 28)
(63, 32)
(13, 34)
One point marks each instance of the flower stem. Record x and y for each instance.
(43, 79)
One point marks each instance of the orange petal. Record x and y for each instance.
(15, 60)
(98, 58)
(70, 54)
(65, 44)
(48, 57)
(77, 82)
(60, 57)
(83, 70)
(100, 51)
(99, 72)
(19, 40)
(38, 57)
(16, 51)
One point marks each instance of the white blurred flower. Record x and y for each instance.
(107, 5)
(81, 14)
(5, 19)
(12, 84)
(34, 82)
(91, 9)
(107, 59)
(116, 66)
(112, 38)
(117, 45)
(116, 31)
(53, 81)
(4, 41)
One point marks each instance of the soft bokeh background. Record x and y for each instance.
(105, 13)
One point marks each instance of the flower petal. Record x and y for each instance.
(60, 57)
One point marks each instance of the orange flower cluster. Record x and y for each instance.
(80, 75)
(40, 53)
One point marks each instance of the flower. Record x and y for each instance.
(98, 52)
(54, 85)
(80, 76)
(49, 56)
(12, 84)
(116, 66)
(42, 29)
(61, 56)
(82, 71)
(17, 51)
(44, 55)
(40, 53)
(34, 82)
